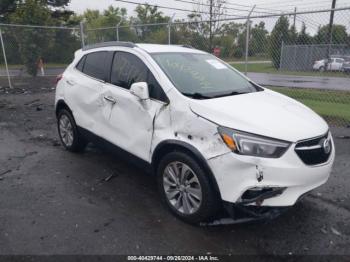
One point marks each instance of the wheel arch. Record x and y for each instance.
(168, 146)
(61, 104)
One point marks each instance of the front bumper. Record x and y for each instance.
(237, 174)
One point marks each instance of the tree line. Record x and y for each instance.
(27, 45)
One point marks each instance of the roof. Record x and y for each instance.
(156, 48)
(108, 44)
(149, 48)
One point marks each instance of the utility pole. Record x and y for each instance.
(295, 16)
(330, 32)
(210, 26)
(82, 35)
(169, 28)
(117, 28)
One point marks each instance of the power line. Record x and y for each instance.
(228, 8)
(279, 11)
(285, 3)
(250, 6)
(172, 8)
(216, 6)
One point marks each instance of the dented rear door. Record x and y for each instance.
(84, 85)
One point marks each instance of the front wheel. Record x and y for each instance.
(186, 188)
(70, 137)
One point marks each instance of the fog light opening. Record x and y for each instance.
(257, 195)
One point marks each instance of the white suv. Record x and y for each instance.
(213, 137)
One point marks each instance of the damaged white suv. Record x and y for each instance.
(210, 135)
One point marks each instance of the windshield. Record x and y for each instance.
(202, 76)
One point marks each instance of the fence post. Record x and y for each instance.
(281, 56)
(5, 59)
(82, 35)
(169, 32)
(247, 41)
(169, 28)
(117, 28)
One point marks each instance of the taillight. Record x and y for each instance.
(58, 78)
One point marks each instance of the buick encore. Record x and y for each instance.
(212, 137)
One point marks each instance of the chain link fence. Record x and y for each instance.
(297, 54)
(35, 55)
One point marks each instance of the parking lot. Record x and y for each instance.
(56, 202)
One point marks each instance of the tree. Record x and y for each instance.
(147, 14)
(293, 35)
(303, 37)
(210, 11)
(258, 40)
(32, 42)
(6, 8)
(231, 40)
(279, 35)
(339, 35)
(110, 18)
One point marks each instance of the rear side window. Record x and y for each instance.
(80, 65)
(339, 60)
(95, 65)
(128, 69)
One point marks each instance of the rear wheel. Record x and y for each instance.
(186, 189)
(70, 137)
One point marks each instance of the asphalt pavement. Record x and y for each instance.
(56, 202)
(264, 79)
(314, 82)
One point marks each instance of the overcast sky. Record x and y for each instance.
(312, 21)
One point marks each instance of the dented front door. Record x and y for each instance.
(128, 122)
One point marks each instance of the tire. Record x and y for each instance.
(68, 132)
(195, 180)
(321, 69)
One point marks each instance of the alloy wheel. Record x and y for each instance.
(66, 130)
(182, 188)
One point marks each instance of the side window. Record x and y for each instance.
(80, 65)
(128, 69)
(95, 65)
(339, 60)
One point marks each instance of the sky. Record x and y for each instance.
(263, 7)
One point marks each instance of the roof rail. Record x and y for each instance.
(187, 46)
(107, 44)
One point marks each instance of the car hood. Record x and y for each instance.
(265, 113)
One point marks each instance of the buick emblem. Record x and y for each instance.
(326, 145)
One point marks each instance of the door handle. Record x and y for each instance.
(110, 99)
(70, 82)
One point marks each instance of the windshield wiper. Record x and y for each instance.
(231, 94)
(197, 95)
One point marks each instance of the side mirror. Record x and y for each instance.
(140, 89)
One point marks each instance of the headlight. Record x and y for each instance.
(252, 145)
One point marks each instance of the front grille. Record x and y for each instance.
(315, 151)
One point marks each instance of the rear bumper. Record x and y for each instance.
(282, 181)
